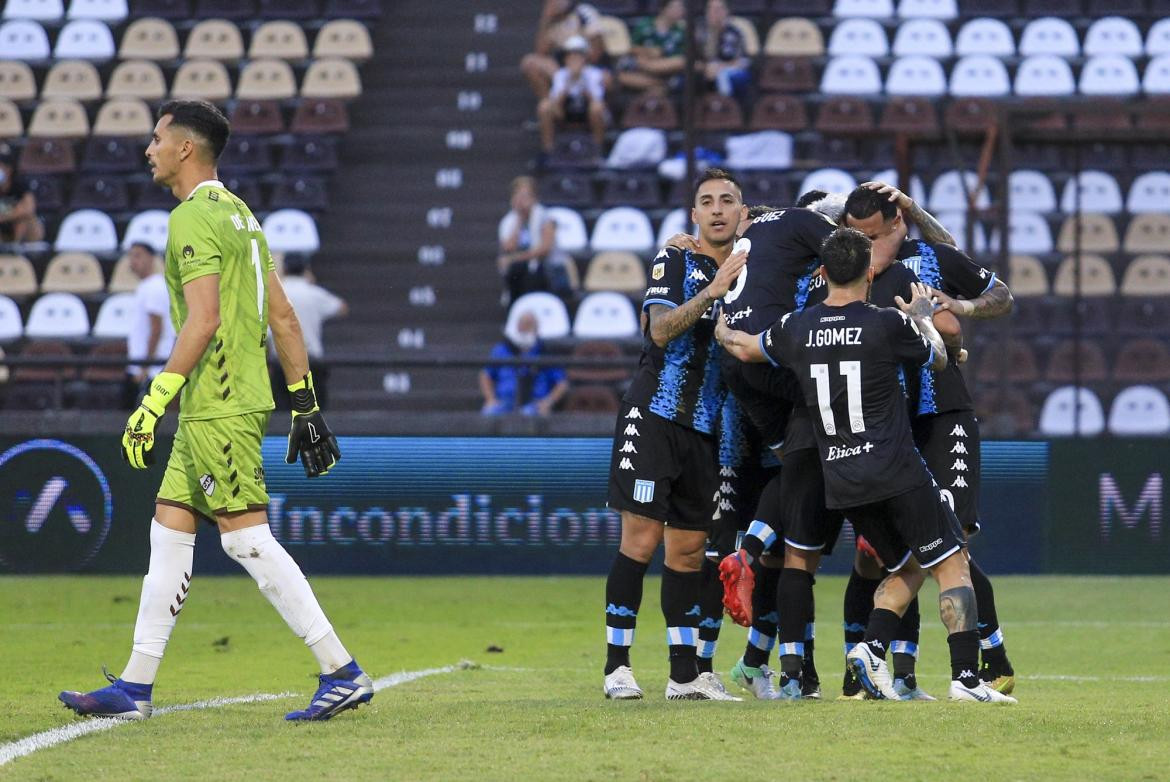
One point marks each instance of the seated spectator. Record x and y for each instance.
(657, 56)
(313, 305)
(559, 21)
(18, 206)
(529, 260)
(152, 334)
(577, 96)
(527, 390)
(726, 64)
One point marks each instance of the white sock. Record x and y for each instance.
(285, 586)
(164, 590)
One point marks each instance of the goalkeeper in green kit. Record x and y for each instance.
(224, 296)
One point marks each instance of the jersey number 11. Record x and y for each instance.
(852, 372)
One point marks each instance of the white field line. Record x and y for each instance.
(1055, 677)
(75, 730)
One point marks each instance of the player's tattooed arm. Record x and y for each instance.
(933, 231)
(995, 302)
(667, 323)
(957, 609)
(744, 346)
(920, 308)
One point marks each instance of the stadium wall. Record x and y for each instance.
(536, 505)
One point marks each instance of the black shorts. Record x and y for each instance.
(916, 523)
(765, 392)
(800, 433)
(808, 525)
(949, 444)
(663, 470)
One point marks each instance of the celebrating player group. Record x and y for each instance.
(821, 338)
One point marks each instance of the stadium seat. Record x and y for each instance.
(319, 116)
(87, 230)
(1109, 74)
(149, 227)
(115, 319)
(1113, 35)
(103, 10)
(311, 153)
(913, 116)
(97, 376)
(615, 37)
(108, 192)
(280, 40)
(1142, 361)
(11, 124)
(970, 115)
(623, 228)
(331, 77)
(215, 39)
(956, 223)
(266, 80)
(163, 9)
(353, 9)
(1146, 315)
(11, 323)
(1049, 35)
(751, 38)
(141, 79)
(605, 315)
(17, 82)
(1150, 192)
(571, 234)
(1031, 191)
(300, 10)
(125, 117)
(551, 316)
(715, 112)
(1099, 192)
(60, 315)
(291, 230)
(779, 112)
(84, 39)
(46, 156)
(677, 221)
(1139, 410)
(1069, 411)
(1147, 233)
(43, 348)
(17, 276)
(650, 111)
(567, 188)
(37, 10)
(916, 190)
(879, 9)
(206, 79)
(1096, 277)
(1044, 75)
(1029, 232)
(23, 40)
(598, 349)
(932, 9)
(794, 37)
(350, 40)
(256, 117)
(59, 118)
(763, 150)
(75, 79)
(1014, 361)
(949, 192)
(616, 271)
(851, 75)
(149, 39)
(638, 148)
(923, 37)
(124, 280)
(987, 37)
(979, 75)
(863, 37)
(592, 400)
(1147, 275)
(1026, 277)
(49, 192)
(1074, 360)
(916, 76)
(73, 273)
(631, 188)
(830, 180)
(844, 115)
(788, 74)
(235, 10)
(1158, 38)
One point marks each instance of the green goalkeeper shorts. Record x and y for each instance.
(216, 466)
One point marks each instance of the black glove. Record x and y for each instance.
(310, 435)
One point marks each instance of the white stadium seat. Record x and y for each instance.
(985, 36)
(291, 231)
(916, 76)
(1044, 75)
(851, 76)
(116, 317)
(831, 180)
(57, 315)
(956, 223)
(917, 189)
(1099, 193)
(1071, 411)
(1031, 191)
(571, 234)
(980, 75)
(1150, 192)
(1156, 79)
(931, 9)
(87, 230)
(925, 37)
(552, 318)
(949, 192)
(638, 148)
(149, 227)
(622, 228)
(37, 10)
(1158, 38)
(677, 221)
(1030, 233)
(864, 37)
(1140, 410)
(1109, 74)
(11, 324)
(22, 39)
(766, 149)
(1113, 35)
(105, 10)
(1049, 35)
(878, 9)
(605, 315)
(84, 39)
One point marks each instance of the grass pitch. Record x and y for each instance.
(1092, 657)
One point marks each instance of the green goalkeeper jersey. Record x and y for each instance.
(214, 232)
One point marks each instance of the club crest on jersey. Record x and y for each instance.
(207, 483)
(659, 270)
(188, 251)
(643, 491)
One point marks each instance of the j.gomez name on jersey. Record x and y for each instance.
(839, 336)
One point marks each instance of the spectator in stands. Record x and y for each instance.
(152, 334)
(658, 53)
(726, 65)
(18, 206)
(559, 21)
(577, 96)
(313, 305)
(528, 390)
(529, 260)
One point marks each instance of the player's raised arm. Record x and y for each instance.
(666, 323)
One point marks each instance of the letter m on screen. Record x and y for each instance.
(1147, 503)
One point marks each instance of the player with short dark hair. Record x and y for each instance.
(846, 354)
(663, 475)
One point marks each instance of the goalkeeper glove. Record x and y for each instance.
(138, 439)
(310, 435)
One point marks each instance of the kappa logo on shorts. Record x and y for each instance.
(726, 488)
(628, 447)
(959, 448)
(643, 491)
(959, 482)
(958, 431)
(959, 465)
(631, 431)
(625, 464)
(728, 472)
(930, 546)
(207, 481)
(634, 413)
